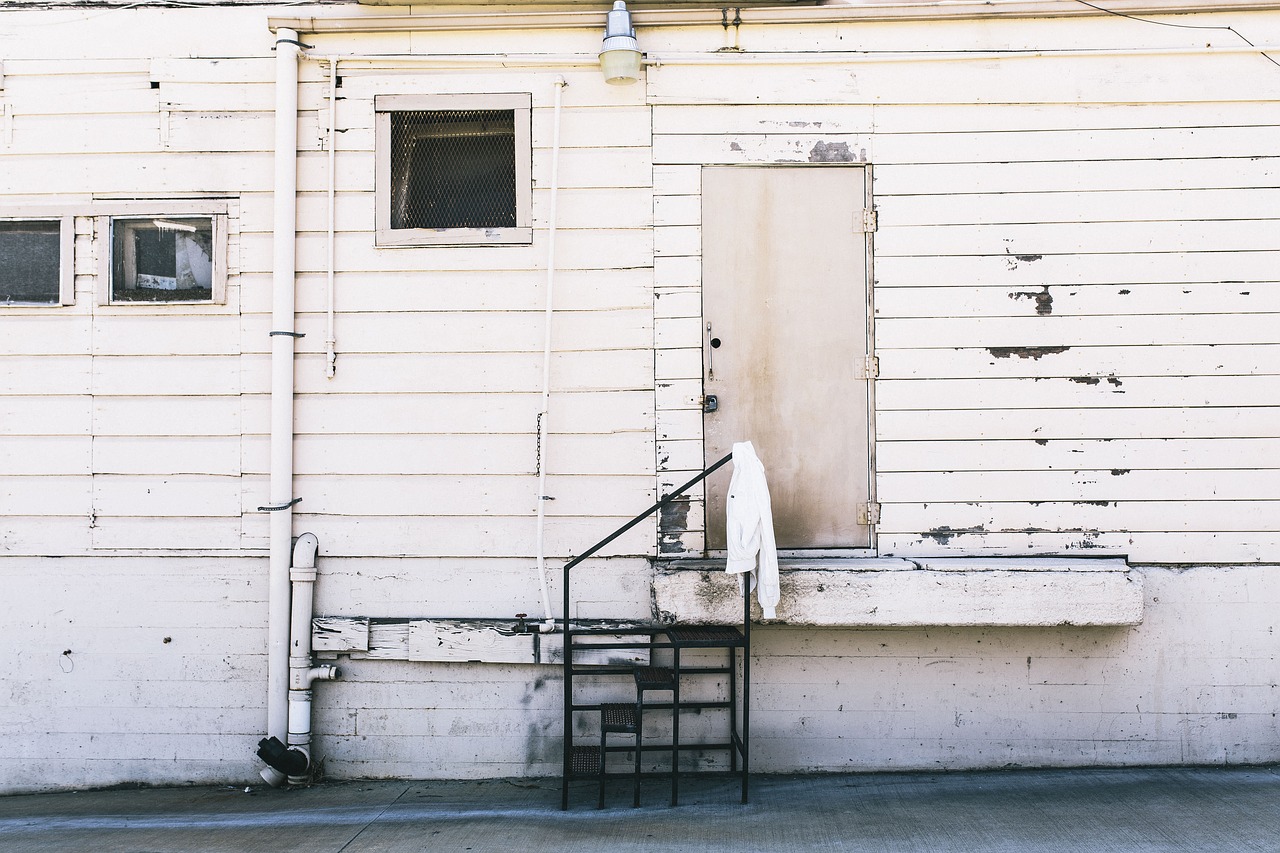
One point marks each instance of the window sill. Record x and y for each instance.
(882, 592)
(408, 238)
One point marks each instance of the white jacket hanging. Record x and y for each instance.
(749, 527)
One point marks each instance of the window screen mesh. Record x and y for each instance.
(453, 169)
(30, 253)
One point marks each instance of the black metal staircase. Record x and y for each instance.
(685, 649)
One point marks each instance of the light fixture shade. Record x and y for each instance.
(620, 56)
(620, 66)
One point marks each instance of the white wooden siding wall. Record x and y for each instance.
(1075, 300)
(424, 443)
(122, 423)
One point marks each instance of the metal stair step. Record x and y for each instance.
(585, 761)
(654, 678)
(618, 717)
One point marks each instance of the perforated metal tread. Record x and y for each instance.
(654, 678)
(700, 634)
(618, 717)
(585, 761)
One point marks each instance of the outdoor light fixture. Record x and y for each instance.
(620, 58)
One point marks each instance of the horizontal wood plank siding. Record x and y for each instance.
(1075, 291)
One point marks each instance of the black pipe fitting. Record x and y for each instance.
(290, 762)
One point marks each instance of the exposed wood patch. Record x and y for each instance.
(1036, 353)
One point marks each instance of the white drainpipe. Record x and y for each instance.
(282, 385)
(301, 672)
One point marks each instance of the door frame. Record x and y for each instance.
(870, 383)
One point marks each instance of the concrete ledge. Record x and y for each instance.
(885, 593)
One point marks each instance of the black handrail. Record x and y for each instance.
(568, 631)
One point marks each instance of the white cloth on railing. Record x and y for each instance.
(749, 528)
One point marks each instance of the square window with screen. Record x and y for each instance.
(162, 259)
(33, 262)
(453, 169)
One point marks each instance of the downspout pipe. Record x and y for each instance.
(283, 273)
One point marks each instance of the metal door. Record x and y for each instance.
(785, 355)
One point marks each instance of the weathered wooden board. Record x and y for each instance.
(1080, 300)
(161, 455)
(1030, 455)
(45, 455)
(339, 634)
(1172, 548)
(456, 332)
(46, 374)
(444, 290)
(1068, 238)
(1098, 361)
(924, 120)
(364, 373)
(495, 454)
(1089, 391)
(583, 249)
(167, 533)
(46, 415)
(410, 495)
(166, 495)
(448, 640)
(167, 416)
(928, 80)
(1117, 268)
(941, 521)
(168, 375)
(45, 495)
(481, 536)
(1117, 484)
(1235, 422)
(46, 334)
(408, 414)
(1065, 205)
(576, 208)
(1258, 170)
(1053, 331)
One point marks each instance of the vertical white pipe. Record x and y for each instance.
(546, 360)
(330, 341)
(282, 350)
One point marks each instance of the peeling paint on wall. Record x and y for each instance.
(1026, 352)
(1043, 299)
(831, 152)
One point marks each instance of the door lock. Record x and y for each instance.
(710, 403)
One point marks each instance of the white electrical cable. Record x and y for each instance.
(330, 341)
(549, 622)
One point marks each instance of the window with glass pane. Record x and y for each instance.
(162, 260)
(453, 169)
(30, 262)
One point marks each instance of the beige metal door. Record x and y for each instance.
(784, 299)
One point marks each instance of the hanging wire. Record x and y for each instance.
(1229, 29)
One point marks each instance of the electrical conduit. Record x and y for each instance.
(548, 620)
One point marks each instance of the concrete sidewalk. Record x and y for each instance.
(1200, 809)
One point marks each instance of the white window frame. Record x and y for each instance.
(66, 253)
(107, 215)
(520, 103)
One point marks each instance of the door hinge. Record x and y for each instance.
(869, 514)
(870, 367)
(868, 220)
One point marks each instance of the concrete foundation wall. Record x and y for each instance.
(169, 687)
(1194, 683)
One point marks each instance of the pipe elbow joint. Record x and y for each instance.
(324, 672)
